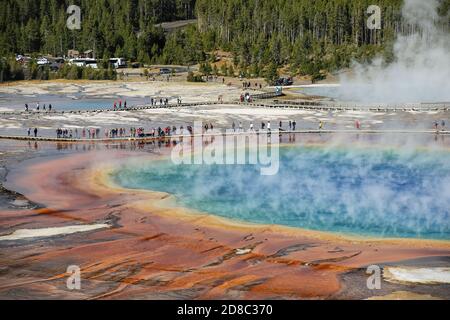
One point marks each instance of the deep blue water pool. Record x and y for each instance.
(362, 191)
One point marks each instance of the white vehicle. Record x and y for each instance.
(118, 63)
(91, 63)
(78, 62)
(42, 61)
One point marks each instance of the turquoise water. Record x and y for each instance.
(369, 192)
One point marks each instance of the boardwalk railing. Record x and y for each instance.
(266, 95)
(156, 138)
(302, 105)
(335, 107)
(133, 108)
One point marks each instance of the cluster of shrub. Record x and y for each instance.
(10, 70)
(208, 69)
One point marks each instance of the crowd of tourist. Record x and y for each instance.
(140, 132)
(133, 132)
(292, 125)
(118, 105)
(112, 133)
(248, 85)
(38, 107)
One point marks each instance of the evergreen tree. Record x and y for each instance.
(303, 34)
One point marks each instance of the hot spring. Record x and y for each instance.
(375, 192)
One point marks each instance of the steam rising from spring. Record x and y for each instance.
(420, 71)
(380, 192)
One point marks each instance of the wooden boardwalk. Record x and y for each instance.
(175, 137)
(276, 104)
(316, 106)
(99, 110)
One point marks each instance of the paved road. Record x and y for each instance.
(174, 25)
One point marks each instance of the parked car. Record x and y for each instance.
(118, 63)
(165, 71)
(42, 61)
(284, 82)
(91, 64)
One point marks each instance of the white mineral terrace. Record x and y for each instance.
(22, 234)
